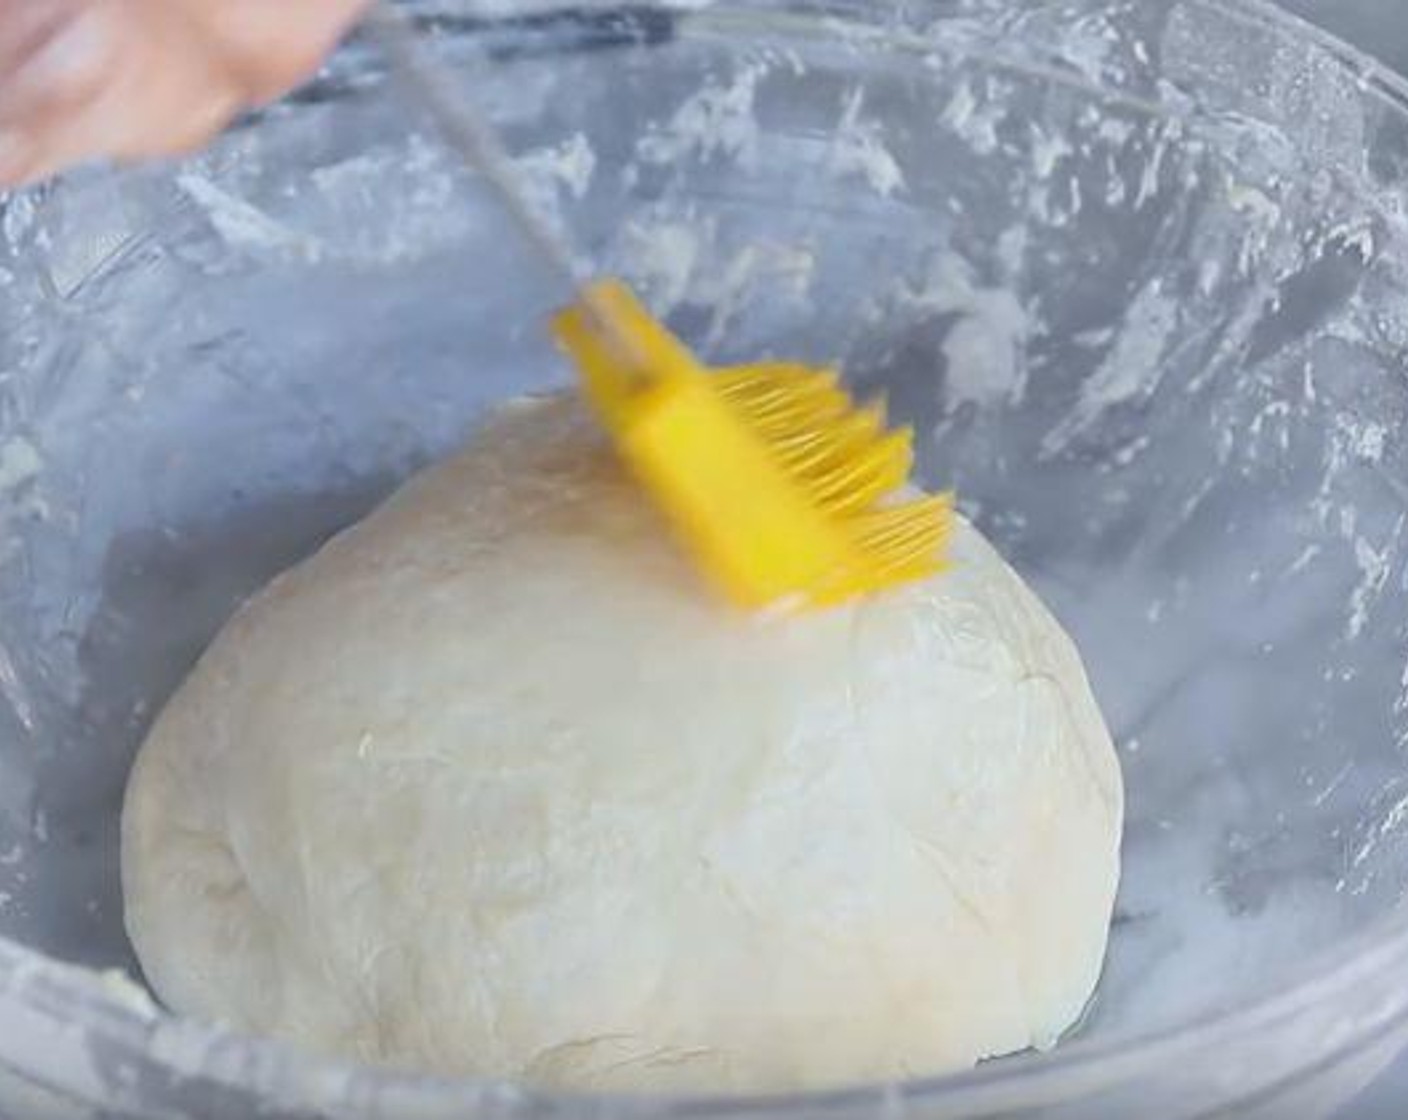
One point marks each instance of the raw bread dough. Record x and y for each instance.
(490, 786)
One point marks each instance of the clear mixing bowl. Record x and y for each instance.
(1136, 273)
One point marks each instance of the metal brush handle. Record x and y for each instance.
(472, 138)
(476, 142)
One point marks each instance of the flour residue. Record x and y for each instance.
(434, 202)
(664, 258)
(970, 117)
(241, 224)
(858, 149)
(678, 263)
(715, 122)
(20, 462)
(557, 169)
(1375, 565)
(984, 351)
(1130, 372)
(1049, 150)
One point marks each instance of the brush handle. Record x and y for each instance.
(476, 142)
(472, 138)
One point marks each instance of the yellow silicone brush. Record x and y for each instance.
(785, 492)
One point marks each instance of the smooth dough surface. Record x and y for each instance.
(490, 786)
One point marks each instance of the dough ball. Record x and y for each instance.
(491, 786)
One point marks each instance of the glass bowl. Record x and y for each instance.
(1135, 272)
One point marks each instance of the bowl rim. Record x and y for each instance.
(38, 990)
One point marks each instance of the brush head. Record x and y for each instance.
(783, 489)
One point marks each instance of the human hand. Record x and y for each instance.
(128, 79)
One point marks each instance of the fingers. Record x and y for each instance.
(125, 79)
(85, 79)
(271, 45)
(27, 25)
(56, 59)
